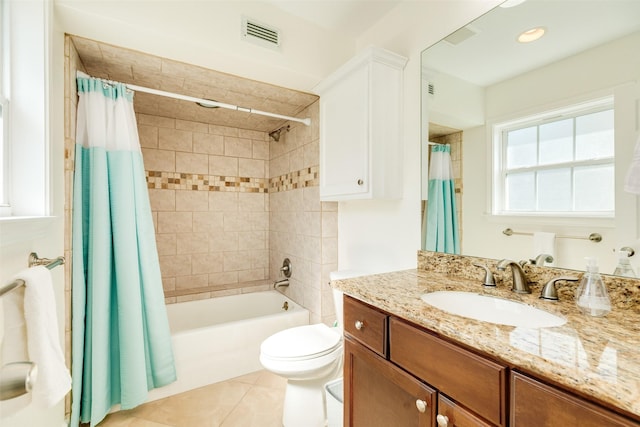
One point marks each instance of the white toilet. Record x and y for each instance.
(308, 356)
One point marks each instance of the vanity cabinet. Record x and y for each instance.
(360, 128)
(398, 374)
(535, 404)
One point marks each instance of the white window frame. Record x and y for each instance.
(498, 130)
(5, 209)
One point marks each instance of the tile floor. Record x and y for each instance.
(253, 400)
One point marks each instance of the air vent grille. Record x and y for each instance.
(431, 89)
(259, 33)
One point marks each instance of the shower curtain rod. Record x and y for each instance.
(207, 102)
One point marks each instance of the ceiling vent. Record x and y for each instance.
(259, 33)
(461, 35)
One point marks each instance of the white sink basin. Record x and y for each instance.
(492, 309)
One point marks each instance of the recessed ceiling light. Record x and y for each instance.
(512, 3)
(531, 35)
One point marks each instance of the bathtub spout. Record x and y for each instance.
(279, 283)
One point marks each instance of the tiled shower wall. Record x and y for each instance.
(229, 205)
(208, 191)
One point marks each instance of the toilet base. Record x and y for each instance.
(304, 401)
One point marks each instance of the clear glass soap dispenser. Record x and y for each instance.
(592, 297)
(624, 266)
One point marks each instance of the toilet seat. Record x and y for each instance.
(301, 343)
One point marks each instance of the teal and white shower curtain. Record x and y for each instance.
(441, 218)
(121, 344)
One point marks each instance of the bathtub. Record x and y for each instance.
(219, 338)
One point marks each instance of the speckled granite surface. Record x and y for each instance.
(598, 357)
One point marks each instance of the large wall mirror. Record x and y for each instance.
(481, 76)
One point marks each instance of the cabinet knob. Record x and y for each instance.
(359, 325)
(421, 405)
(360, 182)
(442, 420)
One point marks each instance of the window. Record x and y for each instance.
(4, 112)
(560, 163)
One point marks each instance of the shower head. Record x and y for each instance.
(275, 134)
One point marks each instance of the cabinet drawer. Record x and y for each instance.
(458, 373)
(534, 404)
(366, 324)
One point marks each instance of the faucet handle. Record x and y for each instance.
(549, 291)
(488, 276)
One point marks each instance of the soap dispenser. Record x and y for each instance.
(624, 266)
(592, 297)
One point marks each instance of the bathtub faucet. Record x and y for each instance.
(278, 283)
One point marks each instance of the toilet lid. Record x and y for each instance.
(301, 342)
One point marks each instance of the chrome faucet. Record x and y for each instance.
(520, 284)
(549, 291)
(541, 259)
(279, 283)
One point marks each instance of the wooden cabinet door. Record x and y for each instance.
(452, 415)
(534, 404)
(379, 394)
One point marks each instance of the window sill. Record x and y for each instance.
(564, 221)
(22, 228)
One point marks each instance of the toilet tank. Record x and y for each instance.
(337, 294)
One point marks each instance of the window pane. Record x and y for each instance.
(554, 190)
(594, 188)
(520, 192)
(521, 147)
(556, 142)
(594, 135)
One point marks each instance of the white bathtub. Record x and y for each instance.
(219, 338)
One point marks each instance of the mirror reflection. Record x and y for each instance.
(540, 134)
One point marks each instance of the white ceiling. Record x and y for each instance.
(493, 54)
(349, 17)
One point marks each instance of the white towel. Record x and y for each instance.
(544, 243)
(31, 333)
(632, 182)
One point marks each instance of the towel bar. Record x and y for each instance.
(594, 237)
(33, 261)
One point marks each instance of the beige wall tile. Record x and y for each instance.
(175, 140)
(164, 122)
(192, 282)
(251, 240)
(252, 134)
(311, 154)
(175, 222)
(192, 201)
(311, 199)
(162, 200)
(279, 166)
(223, 278)
(159, 160)
(207, 222)
(296, 159)
(166, 243)
(251, 168)
(192, 243)
(251, 202)
(207, 263)
(148, 136)
(223, 166)
(207, 143)
(329, 250)
(251, 275)
(192, 126)
(175, 265)
(238, 147)
(168, 283)
(311, 224)
(223, 202)
(224, 241)
(234, 261)
(193, 297)
(329, 224)
(192, 163)
(223, 130)
(260, 150)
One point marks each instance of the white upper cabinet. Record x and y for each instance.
(360, 135)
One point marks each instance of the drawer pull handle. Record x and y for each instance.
(359, 325)
(421, 405)
(443, 420)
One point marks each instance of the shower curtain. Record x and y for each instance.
(441, 218)
(121, 344)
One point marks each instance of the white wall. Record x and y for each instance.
(382, 236)
(613, 69)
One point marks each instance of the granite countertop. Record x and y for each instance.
(597, 357)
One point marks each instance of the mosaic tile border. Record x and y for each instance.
(307, 177)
